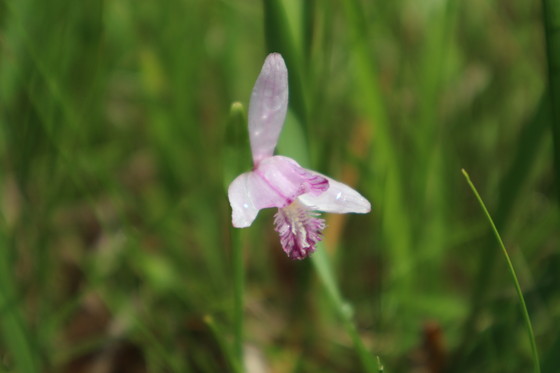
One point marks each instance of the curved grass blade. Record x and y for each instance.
(529, 141)
(528, 325)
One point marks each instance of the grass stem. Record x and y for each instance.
(239, 288)
(526, 317)
(343, 309)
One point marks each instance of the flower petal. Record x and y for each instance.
(249, 193)
(289, 179)
(267, 109)
(339, 198)
(276, 182)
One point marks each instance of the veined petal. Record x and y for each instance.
(339, 198)
(249, 193)
(289, 179)
(276, 182)
(267, 108)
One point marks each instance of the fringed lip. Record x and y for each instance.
(299, 228)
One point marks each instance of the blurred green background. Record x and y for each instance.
(117, 144)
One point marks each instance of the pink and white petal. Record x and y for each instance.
(339, 198)
(248, 194)
(267, 108)
(276, 182)
(289, 179)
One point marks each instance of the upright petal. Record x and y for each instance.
(339, 198)
(267, 109)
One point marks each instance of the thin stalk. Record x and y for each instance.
(235, 160)
(235, 365)
(343, 309)
(238, 294)
(528, 325)
(529, 141)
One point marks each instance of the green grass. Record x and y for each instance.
(515, 281)
(119, 135)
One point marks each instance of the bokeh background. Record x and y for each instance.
(117, 142)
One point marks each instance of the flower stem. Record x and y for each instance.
(528, 324)
(321, 263)
(238, 292)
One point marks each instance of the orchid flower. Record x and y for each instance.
(278, 181)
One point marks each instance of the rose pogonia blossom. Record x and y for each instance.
(278, 181)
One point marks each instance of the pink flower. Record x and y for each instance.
(278, 181)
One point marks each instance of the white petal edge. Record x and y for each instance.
(268, 106)
(339, 199)
(243, 210)
(248, 194)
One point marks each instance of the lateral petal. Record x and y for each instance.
(339, 198)
(248, 194)
(267, 108)
(276, 182)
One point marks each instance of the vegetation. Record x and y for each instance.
(118, 139)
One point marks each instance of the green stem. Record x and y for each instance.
(235, 365)
(344, 310)
(528, 324)
(529, 141)
(239, 286)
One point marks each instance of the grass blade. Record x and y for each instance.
(344, 310)
(297, 149)
(529, 142)
(219, 335)
(279, 38)
(526, 317)
(14, 331)
(551, 16)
